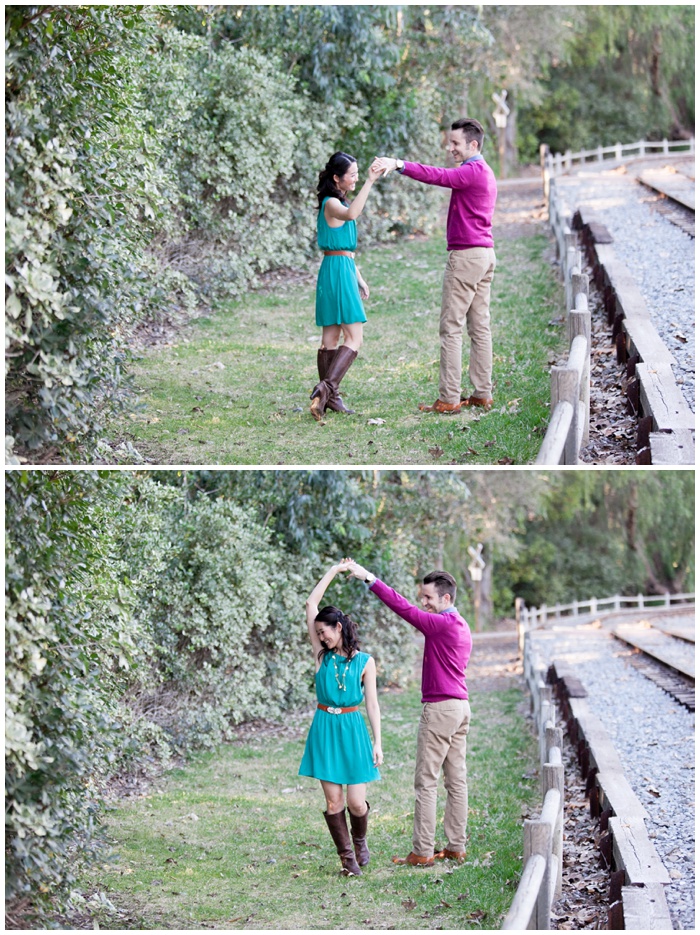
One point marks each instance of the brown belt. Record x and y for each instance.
(339, 253)
(332, 710)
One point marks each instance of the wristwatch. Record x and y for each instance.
(370, 579)
(399, 165)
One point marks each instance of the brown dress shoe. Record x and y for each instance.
(414, 860)
(440, 406)
(485, 402)
(447, 854)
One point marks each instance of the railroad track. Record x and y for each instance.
(663, 650)
(675, 195)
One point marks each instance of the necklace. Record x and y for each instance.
(341, 684)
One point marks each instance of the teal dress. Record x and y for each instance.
(338, 299)
(338, 748)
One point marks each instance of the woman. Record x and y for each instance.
(338, 750)
(340, 287)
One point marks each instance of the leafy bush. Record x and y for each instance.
(69, 643)
(81, 193)
(228, 620)
(242, 145)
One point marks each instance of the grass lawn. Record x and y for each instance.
(234, 388)
(236, 840)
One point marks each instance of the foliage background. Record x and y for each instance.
(148, 613)
(159, 158)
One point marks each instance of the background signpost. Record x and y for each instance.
(476, 568)
(500, 115)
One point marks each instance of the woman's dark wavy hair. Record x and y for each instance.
(338, 164)
(332, 616)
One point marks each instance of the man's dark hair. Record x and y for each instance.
(471, 128)
(444, 583)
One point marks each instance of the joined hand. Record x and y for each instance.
(385, 163)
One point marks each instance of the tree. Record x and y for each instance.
(602, 533)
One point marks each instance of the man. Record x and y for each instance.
(466, 291)
(444, 723)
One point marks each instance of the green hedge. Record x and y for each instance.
(80, 201)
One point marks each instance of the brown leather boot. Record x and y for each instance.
(338, 827)
(328, 387)
(358, 829)
(335, 403)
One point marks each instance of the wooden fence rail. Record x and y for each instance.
(554, 164)
(531, 617)
(543, 846)
(570, 384)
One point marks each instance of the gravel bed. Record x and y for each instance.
(658, 254)
(655, 740)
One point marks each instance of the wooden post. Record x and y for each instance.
(537, 835)
(544, 165)
(521, 915)
(553, 778)
(580, 319)
(564, 388)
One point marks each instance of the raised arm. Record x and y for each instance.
(313, 601)
(422, 620)
(338, 211)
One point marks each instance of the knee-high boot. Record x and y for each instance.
(328, 386)
(325, 356)
(338, 827)
(358, 829)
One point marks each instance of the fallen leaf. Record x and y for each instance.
(376, 422)
(409, 904)
(436, 452)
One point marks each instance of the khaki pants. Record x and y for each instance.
(466, 294)
(442, 744)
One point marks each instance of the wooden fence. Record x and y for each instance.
(570, 384)
(540, 883)
(557, 163)
(637, 875)
(666, 426)
(528, 618)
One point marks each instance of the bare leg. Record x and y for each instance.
(335, 800)
(330, 336)
(353, 335)
(357, 804)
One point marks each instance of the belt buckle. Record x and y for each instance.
(334, 710)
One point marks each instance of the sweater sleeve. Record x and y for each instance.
(420, 619)
(459, 177)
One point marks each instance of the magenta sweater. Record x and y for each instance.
(472, 203)
(448, 645)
